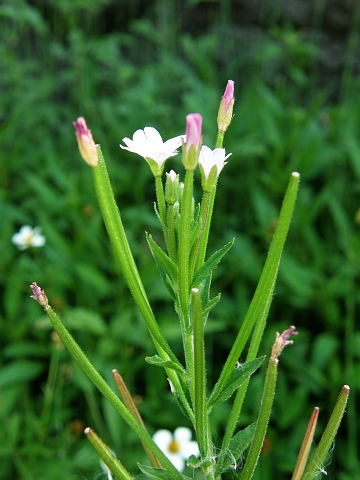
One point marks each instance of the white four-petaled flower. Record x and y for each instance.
(178, 447)
(149, 144)
(28, 237)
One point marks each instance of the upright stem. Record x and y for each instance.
(171, 232)
(262, 421)
(184, 245)
(160, 198)
(110, 396)
(199, 252)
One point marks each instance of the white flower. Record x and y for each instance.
(28, 237)
(178, 447)
(149, 144)
(208, 158)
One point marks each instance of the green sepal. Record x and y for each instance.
(210, 264)
(166, 262)
(158, 473)
(239, 442)
(237, 378)
(159, 362)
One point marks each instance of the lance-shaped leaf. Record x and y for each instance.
(237, 378)
(238, 444)
(161, 257)
(210, 264)
(159, 362)
(158, 473)
(210, 305)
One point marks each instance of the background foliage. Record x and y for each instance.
(124, 65)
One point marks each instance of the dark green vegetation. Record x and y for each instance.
(124, 65)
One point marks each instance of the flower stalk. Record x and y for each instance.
(99, 382)
(106, 455)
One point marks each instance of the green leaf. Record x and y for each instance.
(237, 378)
(158, 473)
(237, 445)
(210, 264)
(161, 257)
(19, 372)
(159, 362)
(86, 320)
(195, 462)
(210, 305)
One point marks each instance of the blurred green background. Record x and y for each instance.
(124, 65)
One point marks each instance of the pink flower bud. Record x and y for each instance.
(193, 140)
(193, 130)
(226, 107)
(86, 143)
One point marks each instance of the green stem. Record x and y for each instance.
(199, 252)
(199, 372)
(80, 357)
(262, 421)
(184, 245)
(202, 425)
(106, 455)
(240, 394)
(264, 291)
(219, 140)
(160, 198)
(116, 232)
(318, 457)
(171, 232)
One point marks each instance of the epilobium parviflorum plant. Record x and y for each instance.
(186, 269)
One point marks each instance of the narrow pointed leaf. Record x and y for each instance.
(158, 473)
(165, 261)
(159, 362)
(210, 305)
(238, 444)
(237, 378)
(210, 264)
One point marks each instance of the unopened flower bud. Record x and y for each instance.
(192, 146)
(87, 146)
(226, 107)
(172, 188)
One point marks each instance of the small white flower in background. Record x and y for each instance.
(148, 144)
(178, 447)
(28, 237)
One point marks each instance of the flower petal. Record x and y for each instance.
(163, 438)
